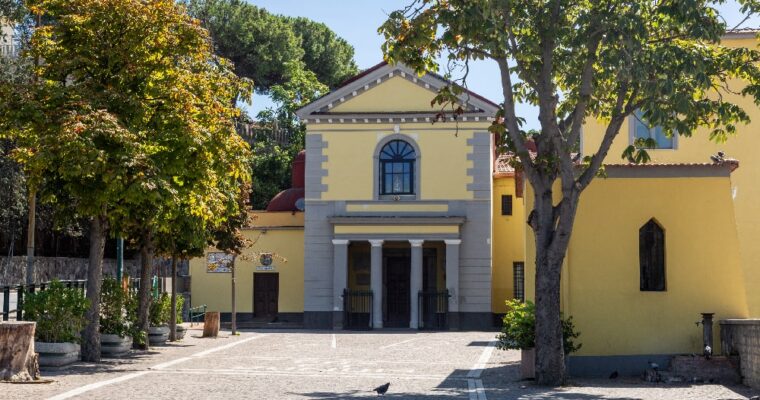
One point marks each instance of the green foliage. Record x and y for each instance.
(180, 304)
(261, 44)
(132, 318)
(271, 165)
(58, 311)
(519, 328)
(115, 302)
(160, 310)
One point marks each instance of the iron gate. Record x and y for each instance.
(357, 309)
(435, 309)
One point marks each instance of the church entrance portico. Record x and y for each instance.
(396, 283)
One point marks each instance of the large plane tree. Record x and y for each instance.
(575, 60)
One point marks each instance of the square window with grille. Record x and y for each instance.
(519, 280)
(506, 204)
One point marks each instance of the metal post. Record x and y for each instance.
(119, 259)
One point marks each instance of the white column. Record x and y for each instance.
(415, 283)
(452, 280)
(340, 279)
(376, 282)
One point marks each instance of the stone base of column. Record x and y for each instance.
(453, 321)
(337, 320)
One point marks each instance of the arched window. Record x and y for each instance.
(652, 257)
(397, 159)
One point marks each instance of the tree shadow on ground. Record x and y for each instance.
(107, 365)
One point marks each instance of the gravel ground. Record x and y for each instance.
(301, 364)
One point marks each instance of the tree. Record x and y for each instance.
(261, 44)
(576, 60)
(271, 160)
(147, 110)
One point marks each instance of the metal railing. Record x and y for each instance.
(13, 296)
(357, 309)
(434, 309)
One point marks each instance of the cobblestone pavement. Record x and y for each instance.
(332, 365)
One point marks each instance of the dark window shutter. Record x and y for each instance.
(652, 257)
(519, 280)
(506, 204)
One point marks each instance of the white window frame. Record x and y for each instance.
(632, 134)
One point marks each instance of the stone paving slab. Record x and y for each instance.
(301, 364)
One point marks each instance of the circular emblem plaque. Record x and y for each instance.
(266, 259)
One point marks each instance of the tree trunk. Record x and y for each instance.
(18, 361)
(146, 266)
(91, 336)
(173, 317)
(31, 227)
(551, 226)
(211, 324)
(234, 304)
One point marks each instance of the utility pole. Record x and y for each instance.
(119, 259)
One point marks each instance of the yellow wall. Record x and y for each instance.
(351, 159)
(213, 289)
(698, 148)
(395, 94)
(508, 244)
(601, 274)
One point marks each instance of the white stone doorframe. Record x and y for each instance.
(340, 276)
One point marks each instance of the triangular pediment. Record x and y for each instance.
(387, 91)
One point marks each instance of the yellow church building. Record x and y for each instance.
(397, 219)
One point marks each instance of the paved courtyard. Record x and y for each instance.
(332, 365)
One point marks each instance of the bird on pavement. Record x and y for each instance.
(614, 375)
(382, 389)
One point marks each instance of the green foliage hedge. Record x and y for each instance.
(58, 311)
(519, 328)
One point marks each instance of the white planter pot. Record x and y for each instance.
(158, 335)
(528, 363)
(57, 355)
(114, 345)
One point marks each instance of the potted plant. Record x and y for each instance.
(116, 328)
(518, 333)
(60, 316)
(179, 332)
(160, 312)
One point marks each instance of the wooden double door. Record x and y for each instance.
(266, 290)
(397, 292)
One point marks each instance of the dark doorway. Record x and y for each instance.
(396, 282)
(265, 291)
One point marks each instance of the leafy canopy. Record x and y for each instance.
(578, 59)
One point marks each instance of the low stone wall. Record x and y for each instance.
(742, 337)
(13, 270)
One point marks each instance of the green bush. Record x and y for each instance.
(519, 328)
(118, 310)
(160, 310)
(180, 303)
(133, 305)
(58, 311)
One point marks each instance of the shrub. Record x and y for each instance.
(180, 303)
(113, 308)
(58, 311)
(160, 310)
(519, 328)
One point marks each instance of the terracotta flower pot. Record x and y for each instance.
(57, 355)
(528, 363)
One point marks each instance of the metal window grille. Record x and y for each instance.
(519, 280)
(506, 204)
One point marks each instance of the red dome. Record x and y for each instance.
(287, 199)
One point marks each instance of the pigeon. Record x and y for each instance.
(653, 365)
(718, 158)
(614, 375)
(382, 389)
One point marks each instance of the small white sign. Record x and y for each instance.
(265, 268)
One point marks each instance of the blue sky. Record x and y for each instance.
(357, 22)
